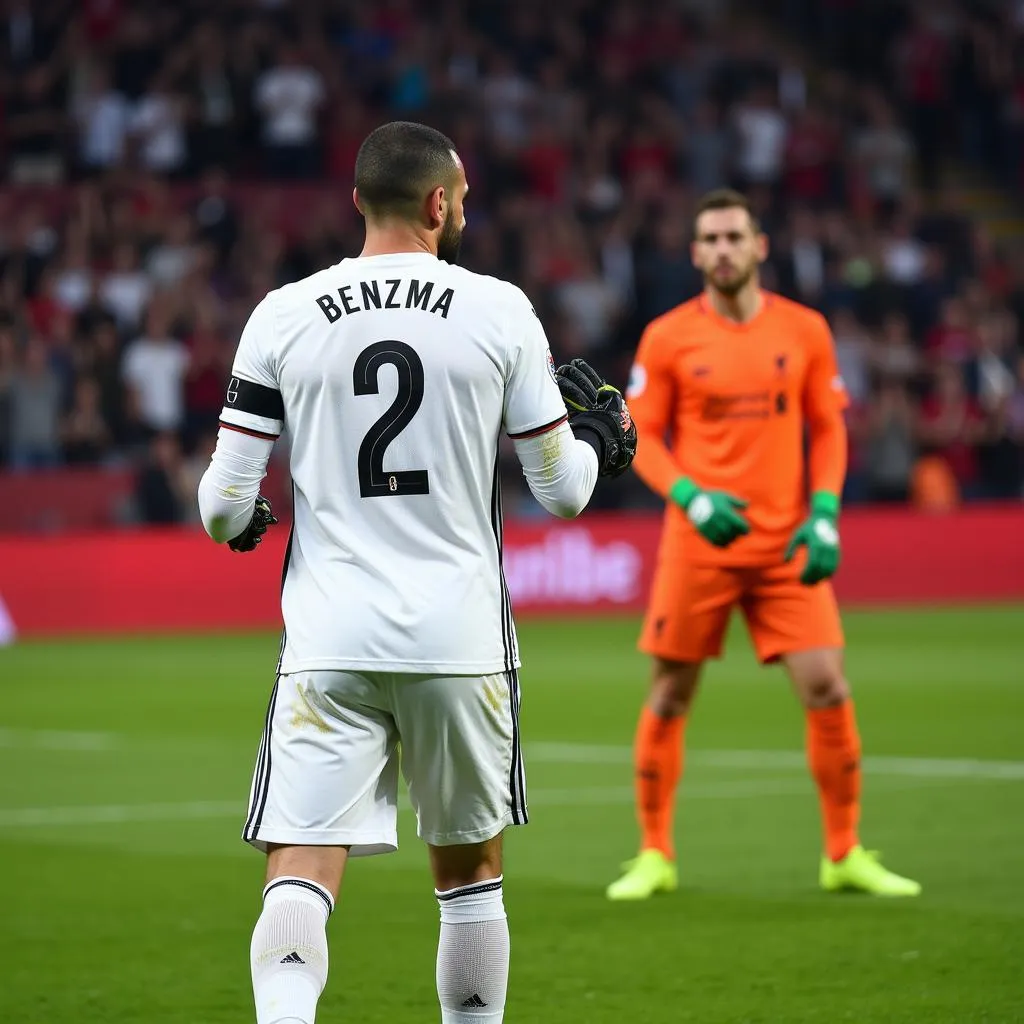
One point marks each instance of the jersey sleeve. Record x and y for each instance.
(824, 390)
(651, 395)
(253, 403)
(824, 400)
(533, 404)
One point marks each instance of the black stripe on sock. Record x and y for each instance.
(468, 890)
(303, 884)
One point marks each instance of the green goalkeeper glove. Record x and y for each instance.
(821, 535)
(714, 513)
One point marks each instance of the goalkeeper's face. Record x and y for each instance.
(728, 249)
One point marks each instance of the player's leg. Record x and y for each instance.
(325, 787)
(658, 755)
(473, 945)
(288, 951)
(685, 624)
(465, 790)
(832, 742)
(800, 626)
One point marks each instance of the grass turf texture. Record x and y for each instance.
(127, 895)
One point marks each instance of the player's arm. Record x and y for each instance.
(230, 504)
(824, 399)
(652, 397)
(560, 469)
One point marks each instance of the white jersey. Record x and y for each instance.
(394, 376)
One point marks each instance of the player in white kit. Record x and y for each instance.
(395, 373)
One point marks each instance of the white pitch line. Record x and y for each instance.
(577, 753)
(117, 814)
(783, 760)
(56, 739)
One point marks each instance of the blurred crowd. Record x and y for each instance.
(167, 164)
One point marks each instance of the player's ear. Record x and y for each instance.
(437, 207)
(355, 200)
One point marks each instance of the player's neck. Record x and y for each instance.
(741, 307)
(388, 239)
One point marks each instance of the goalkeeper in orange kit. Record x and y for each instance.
(733, 378)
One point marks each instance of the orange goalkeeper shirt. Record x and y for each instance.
(726, 404)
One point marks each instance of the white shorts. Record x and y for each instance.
(327, 769)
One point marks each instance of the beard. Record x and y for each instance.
(450, 241)
(732, 286)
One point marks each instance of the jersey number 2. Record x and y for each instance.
(374, 480)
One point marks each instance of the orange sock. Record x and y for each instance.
(658, 757)
(833, 752)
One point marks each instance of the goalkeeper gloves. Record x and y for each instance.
(715, 514)
(262, 517)
(821, 536)
(598, 415)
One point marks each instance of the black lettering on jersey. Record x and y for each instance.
(418, 297)
(444, 303)
(388, 303)
(256, 399)
(330, 308)
(345, 291)
(371, 294)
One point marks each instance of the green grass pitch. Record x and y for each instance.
(128, 896)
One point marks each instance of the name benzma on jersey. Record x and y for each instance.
(392, 293)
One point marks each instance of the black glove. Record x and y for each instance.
(598, 415)
(262, 517)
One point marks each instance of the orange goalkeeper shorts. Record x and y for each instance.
(690, 605)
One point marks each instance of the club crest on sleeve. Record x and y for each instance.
(551, 366)
(233, 386)
(637, 381)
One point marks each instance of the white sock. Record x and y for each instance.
(472, 954)
(288, 954)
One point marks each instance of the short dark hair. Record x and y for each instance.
(399, 164)
(725, 199)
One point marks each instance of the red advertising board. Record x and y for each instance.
(156, 580)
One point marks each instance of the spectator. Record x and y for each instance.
(34, 129)
(891, 446)
(8, 373)
(883, 154)
(154, 371)
(102, 116)
(761, 132)
(161, 493)
(158, 126)
(35, 404)
(126, 289)
(85, 435)
(951, 426)
(895, 356)
(707, 148)
(170, 260)
(289, 96)
(216, 102)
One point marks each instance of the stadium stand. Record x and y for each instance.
(167, 164)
